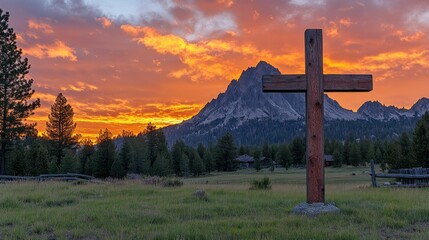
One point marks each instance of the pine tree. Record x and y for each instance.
(17, 165)
(85, 153)
(273, 153)
(241, 150)
(161, 166)
(38, 157)
(378, 155)
(126, 155)
(257, 160)
(393, 155)
(364, 149)
(70, 163)
(355, 154)
(298, 151)
(60, 127)
(346, 153)
(185, 164)
(336, 157)
(156, 144)
(90, 165)
(266, 152)
(405, 143)
(421, 141)
(284, 156)
(105, 154)
(226, 153)
(371, 151)
(197, 167)
(272, 166)
(138, 162)
(176, 155)
(117, 170)
(150, 138)
(209, 161)
(15, 91)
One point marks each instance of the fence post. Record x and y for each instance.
(374, 181)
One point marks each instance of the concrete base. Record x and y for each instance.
(314, 209)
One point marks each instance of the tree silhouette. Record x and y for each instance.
(226, 154)
(105, 154)
(15, 90)
(60, 127)
(421, 141)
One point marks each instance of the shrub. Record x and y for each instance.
(163, 181)
(172, 182)
(201, 194)
(263, 184)
(152, 180)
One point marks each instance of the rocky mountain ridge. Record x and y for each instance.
(243, 102)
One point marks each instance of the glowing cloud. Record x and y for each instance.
(411, 38)
(384, 65)
(105, 22)
(56, 50)
(79, 87)
(205, 60)
(43, 27)
(160, 61)
(20, 38)
(228, 3)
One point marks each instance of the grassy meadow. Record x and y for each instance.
(130, 209)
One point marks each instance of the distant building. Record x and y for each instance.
(246, 161)
(329, 161)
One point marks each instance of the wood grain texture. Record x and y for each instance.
(347, 82)
(331, 83)
(284, 83)
(314, 116)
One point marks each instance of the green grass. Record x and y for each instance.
(132, 210)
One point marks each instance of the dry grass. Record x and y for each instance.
(133, 210)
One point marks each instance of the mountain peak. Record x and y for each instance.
(423, 100)
(245, 110)
(263, 64)
(420, 107)
(253, 75)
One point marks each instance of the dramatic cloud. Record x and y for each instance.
(44, 27)
(124, 65)
(205, 60)
(105, 22)
(57, 49)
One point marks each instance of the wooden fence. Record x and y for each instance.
(409, 177)
(44, 177)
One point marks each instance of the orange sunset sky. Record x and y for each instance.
(124, 63)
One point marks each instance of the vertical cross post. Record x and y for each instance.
(314, 84)
(314, 116)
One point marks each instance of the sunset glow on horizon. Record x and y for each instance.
(123, 64)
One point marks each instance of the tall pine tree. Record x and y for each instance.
(15, 90)
(86, 151)
(177, 161)
(226, 154)
(421, 142)
(105, 154)
(60, 127)
(284, 156)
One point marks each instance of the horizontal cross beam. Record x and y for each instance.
(331, 83)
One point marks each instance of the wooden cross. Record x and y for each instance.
(314, 83)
